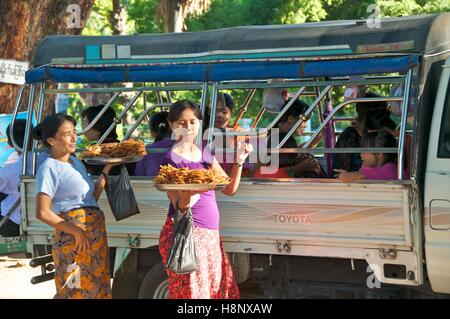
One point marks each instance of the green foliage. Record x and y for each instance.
(436, 6)
(300, 11)
(399, 8)
(142, 13)
(231, 13)
(98, 23)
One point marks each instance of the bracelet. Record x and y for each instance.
(104, 174)
(238, 165)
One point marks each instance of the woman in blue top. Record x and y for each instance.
(66, 199)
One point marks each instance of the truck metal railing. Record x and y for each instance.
(401, 142)
(262, 131)
(99, 115)
(341, 105)
(28, 126)
(16, 110)
(300, 84)
(118, 119)
(38, 119)
(317, 150)
(337, 82)
(138, 121)
(307, 114)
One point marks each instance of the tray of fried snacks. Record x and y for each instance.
(114, 153)
(170, 178)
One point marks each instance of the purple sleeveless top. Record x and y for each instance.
(205, 213)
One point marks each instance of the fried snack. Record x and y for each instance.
(171, 175)
(114, 150)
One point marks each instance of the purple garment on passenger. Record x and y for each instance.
(205, 213)
(149, 165)
(384, 172)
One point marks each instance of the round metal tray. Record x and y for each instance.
(188, 187)
(112, 160)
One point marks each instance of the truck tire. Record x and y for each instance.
(155, 284)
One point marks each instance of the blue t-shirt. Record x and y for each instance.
(68, 184)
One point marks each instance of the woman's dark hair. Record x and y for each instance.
(19, 132)
(381, 138)
(158, 124)
(285, 159)
(104, 122)
(374, 115)
(349, 138)
(177, 108)
(50, 126)
(297, 108)
(379, 119)
(363, 107)
(226, 100)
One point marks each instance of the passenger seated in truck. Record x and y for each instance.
(278, 170)
(222, 121)
(377, 166)
(160, 131)
(306, 165)
(10, 181)
(371, 116)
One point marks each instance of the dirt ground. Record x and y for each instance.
(15, 276)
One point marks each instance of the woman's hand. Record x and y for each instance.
(81, 240)
(243, 150)
(341, 174)
(345, 176)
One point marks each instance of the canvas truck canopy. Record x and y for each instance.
(251, 52)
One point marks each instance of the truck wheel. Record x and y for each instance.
(155, 284)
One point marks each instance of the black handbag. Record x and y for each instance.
(182, 258)
(120, 195)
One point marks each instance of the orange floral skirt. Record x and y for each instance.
(85, 275)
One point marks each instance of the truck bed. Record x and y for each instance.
(304, 212)
(367, 220)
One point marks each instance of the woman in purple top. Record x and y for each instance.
(160, 130)
(377, 166)
(214, 277)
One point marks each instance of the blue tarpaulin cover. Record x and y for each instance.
(222, 71)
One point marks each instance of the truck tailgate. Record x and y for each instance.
(364, 215)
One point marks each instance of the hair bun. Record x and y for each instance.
(37, 134)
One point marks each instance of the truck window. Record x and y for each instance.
(444, 136)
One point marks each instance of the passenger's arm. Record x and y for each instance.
(45, 214)
(9, 173)
(306, 165)
(345, 176)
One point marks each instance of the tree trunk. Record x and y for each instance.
(23, 23)
(172, 13)
(173, 21)
(117, 18)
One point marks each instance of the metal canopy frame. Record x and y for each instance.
(320, 90)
